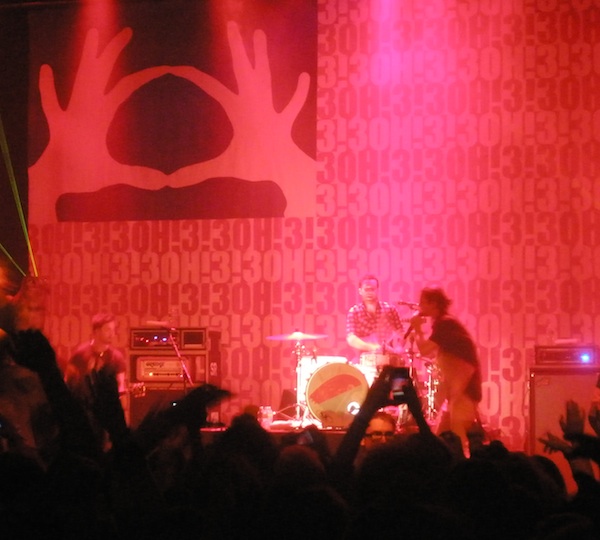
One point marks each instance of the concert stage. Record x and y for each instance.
(280, 435)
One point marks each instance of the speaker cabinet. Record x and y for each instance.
(156, 395)
(550, 387)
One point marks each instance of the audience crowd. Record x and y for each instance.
(161, 480)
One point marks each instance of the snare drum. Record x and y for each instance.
(373, 360)
(335, 393)
(378, 360)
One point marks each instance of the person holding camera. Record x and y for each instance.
(392, 386)
(456, 357)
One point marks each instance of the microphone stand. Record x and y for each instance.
(185, 374)
(431, 384)
(412, 353)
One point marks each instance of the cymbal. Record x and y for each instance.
(296, 336)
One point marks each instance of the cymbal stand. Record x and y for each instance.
(411, 354)
(430, 384)
(300, 407)
(185, 374)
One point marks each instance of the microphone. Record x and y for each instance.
(411, 305)
(410, 328)
(161, 324)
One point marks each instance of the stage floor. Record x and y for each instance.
(280, 432)
(286, 430)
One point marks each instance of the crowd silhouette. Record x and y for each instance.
(161, 480)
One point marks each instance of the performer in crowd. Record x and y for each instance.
(7, 305)
(455, 354)
(22, 305)
(94, 364)
(23, 403)
(373, 325)
(380, 430)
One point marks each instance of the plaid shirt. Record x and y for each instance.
(375, 327)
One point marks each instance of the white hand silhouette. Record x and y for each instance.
(261, 148)
(77, 145)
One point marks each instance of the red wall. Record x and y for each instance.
(457, 144)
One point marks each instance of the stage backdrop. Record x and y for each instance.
(241, 170)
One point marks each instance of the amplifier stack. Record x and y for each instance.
(168, 362)
(561, 373)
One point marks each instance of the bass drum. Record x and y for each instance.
(334, 394)
(306, 367)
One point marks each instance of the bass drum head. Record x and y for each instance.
(307, 366)
(335, 393)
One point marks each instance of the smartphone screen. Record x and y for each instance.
(399, 380)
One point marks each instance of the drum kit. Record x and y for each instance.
(330, 390)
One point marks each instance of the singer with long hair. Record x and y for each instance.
(455, 354)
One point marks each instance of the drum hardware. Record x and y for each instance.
(299, 351)
(431, 386)
(428, 388)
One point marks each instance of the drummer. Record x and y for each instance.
(373, 326)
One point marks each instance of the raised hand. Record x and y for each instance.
(262, 147)
(594, 418)
(552, 444)
(573, 421)
(78, 132)
(378, 395)
(417, 321)
(33, 351)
